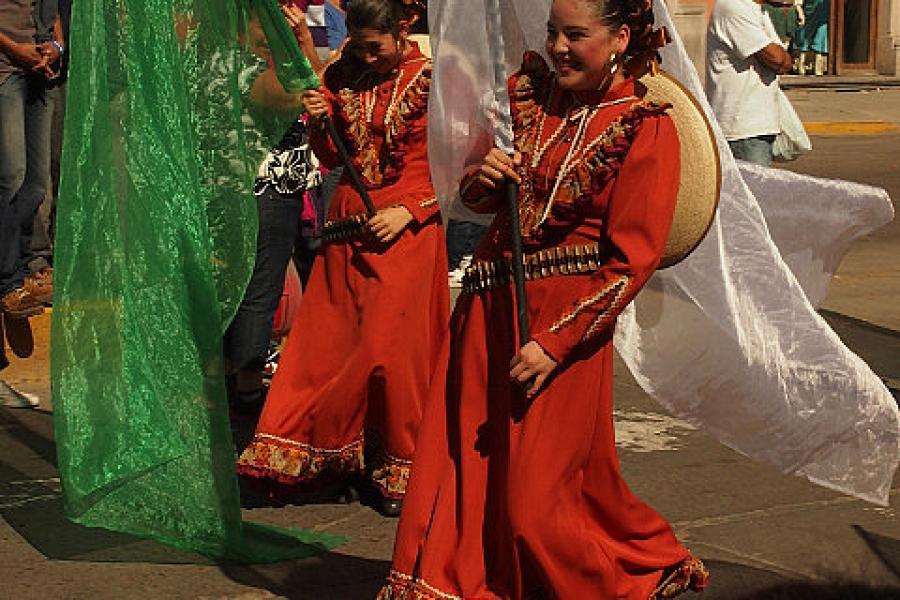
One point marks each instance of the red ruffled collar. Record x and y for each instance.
(621, 90)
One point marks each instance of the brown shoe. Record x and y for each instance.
(40, 286)
(19, 336)
(19, 304)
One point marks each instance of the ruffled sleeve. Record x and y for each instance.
(527, 88)
(639, 215)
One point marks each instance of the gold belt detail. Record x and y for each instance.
(342, 229)
(484, 275)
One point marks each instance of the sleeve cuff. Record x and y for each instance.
(421, 209)
(556, 348)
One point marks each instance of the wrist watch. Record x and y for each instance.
(58, 47)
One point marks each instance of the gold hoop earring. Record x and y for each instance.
(613, 63)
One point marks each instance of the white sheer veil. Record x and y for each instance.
(729, 339)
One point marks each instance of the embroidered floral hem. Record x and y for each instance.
(389, 473)
(292, 463)
(691, 575)
(400, 586)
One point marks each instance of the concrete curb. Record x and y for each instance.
(832, 82)
(850, 127)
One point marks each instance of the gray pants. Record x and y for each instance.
(26, 113)
(755, 149)
(45, 219)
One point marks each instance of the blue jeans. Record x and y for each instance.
(26, 114)
(247, 338)
(755, 149)
(462, 239)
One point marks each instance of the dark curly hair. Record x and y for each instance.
(642, 53)
(636, 14)
(384, 16)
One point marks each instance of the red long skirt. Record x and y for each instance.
(369, 343)
(510, 500)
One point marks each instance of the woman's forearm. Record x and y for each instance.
(268, 92)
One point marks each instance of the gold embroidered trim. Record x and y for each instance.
(589, 164)
(428, 203)
(405, 106)
(585, 303)
(290, 461)
(691, 574)
(401, 586)
(531, 92)
(407, 101)
(603, 318)
(389, 473)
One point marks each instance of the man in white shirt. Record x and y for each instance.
(744, 58)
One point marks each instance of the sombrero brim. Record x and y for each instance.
(701, 171)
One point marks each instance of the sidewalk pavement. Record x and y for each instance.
(851, 110)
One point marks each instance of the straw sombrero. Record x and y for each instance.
(701, 173)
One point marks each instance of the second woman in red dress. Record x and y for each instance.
(370, 340)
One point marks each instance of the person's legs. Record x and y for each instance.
(462, 239)
(755, 149)
(44, 220)
(12, 176)
(247, 338)
(39, 104)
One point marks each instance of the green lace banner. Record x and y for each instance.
(156, 241)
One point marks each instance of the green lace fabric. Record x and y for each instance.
(156, 242)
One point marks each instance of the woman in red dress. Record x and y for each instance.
(518, 494)
(370, 340)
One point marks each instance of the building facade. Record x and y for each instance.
(863, 36)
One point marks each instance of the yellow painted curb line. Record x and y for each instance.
(850, 127)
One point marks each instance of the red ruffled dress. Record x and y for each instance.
(511, 499)
(370, 340)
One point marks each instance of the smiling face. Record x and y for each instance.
(382, 52)
(579, 45)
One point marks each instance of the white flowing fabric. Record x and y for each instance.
(728, 339)
(814, 221)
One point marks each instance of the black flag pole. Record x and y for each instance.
(504, 139)
(518, 264)
(348, 165)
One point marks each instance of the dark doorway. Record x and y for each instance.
(854, 35)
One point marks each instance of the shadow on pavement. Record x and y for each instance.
(823, 591)
(887, 549)
(878, 346)
(728, 580)
(31, 502)
(34, 509)
(328, 577)
(733, 581)
(33, 429)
